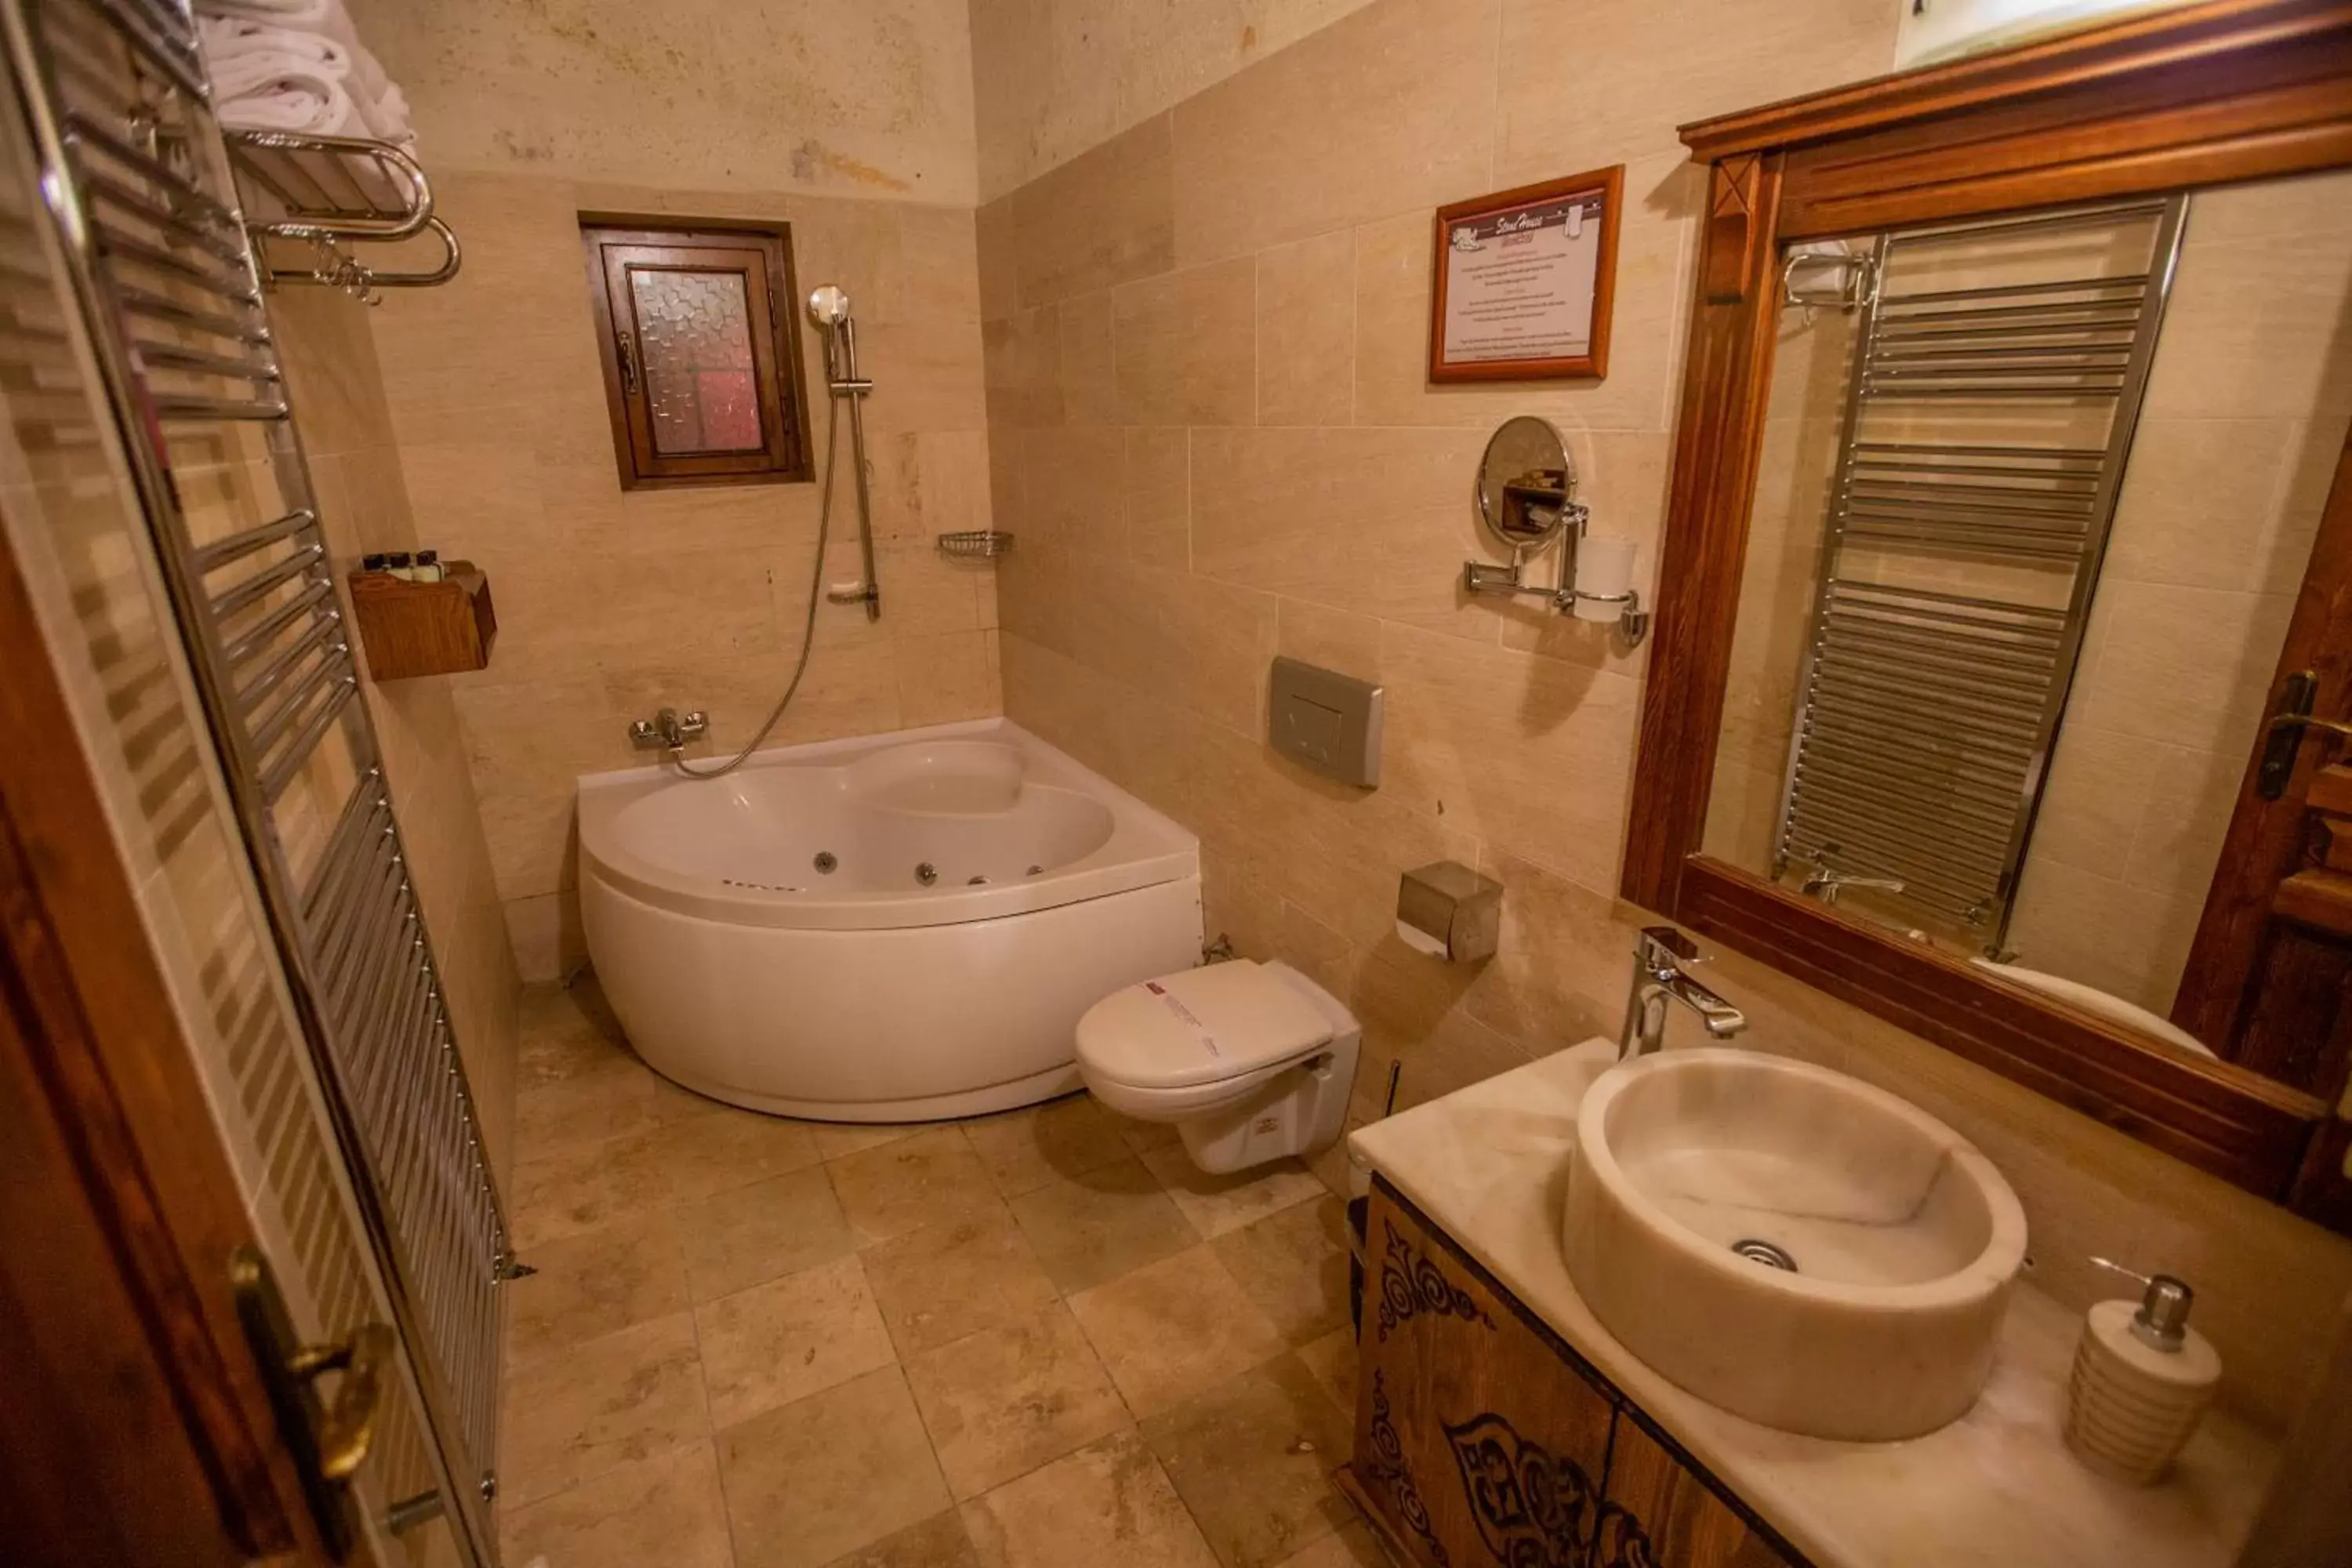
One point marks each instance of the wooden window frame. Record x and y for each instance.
(2225, 91)
(761, 252)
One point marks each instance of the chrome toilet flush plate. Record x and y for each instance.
(1325, 721)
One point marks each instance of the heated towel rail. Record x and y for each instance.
(1995, 385)
(138, 188)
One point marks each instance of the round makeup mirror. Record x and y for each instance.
(1526, 483)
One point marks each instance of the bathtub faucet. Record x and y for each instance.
(667, 731)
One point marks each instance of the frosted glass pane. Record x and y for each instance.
(696, 338)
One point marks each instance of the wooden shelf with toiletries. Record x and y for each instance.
(412, 629)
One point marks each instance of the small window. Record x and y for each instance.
(701, 353)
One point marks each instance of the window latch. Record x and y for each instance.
(628, 350)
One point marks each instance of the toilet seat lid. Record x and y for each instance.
(1219, 1021)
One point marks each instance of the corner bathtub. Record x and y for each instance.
(890, 929)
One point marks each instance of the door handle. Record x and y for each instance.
(2291, 719)
(628, 349)
(328, 1443)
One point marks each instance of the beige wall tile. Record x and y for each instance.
(1088, 366)
(1156, 492)
(1306, 331)
(1187, 346)
(996, 245)
(1023, 369)
(1388, 110)
(1104, 218)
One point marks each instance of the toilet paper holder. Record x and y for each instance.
(1447, 910)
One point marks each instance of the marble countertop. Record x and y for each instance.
(1997, 1489)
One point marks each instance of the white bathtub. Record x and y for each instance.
(745, 970)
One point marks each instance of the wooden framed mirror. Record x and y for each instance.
(2003, 563)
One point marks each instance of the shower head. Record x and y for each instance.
(828, 307)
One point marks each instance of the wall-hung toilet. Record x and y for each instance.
(1251, 1061)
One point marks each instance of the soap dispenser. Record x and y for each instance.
(2142, 1380)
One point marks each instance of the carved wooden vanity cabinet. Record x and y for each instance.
(1481, 1437)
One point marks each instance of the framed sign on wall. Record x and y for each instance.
(1523, 278)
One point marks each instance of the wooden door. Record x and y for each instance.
(137, 1427)
(2269, 977)
(1479, 1438)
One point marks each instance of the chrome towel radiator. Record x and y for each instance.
(137, 188)
(1986, 430)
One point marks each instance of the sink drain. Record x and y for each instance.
(1759, 1251)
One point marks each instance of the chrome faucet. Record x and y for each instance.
(667, 730)
(1660, 954)
(1825, 882)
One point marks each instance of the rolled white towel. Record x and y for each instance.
(298, 97)
(233, 26)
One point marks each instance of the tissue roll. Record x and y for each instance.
(1603, 565)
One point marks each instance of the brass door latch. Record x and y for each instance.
(328, 1442)
(2290, 722)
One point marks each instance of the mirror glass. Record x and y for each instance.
(1525, 483)
(2035, 500)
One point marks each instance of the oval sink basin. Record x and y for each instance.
(1794, 1246)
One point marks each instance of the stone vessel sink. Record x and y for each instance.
(1794, 1246)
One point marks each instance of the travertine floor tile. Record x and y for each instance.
(572, 1417)
(1000, 1402)
(788, 1338)
(665, 1510)
(839, 1140)
(1106, 1506)
(580, 1187)
(589, 1285)
(1334, 1361)
(583, 1185)
(937, 1542)
(1101, 1224)
(728, 1149)
(1216, 1204)
(1025, 1149)
(1142, 1136)
(914, 1181)
(811, 1482)
(956, 1277)
(1250, 1456)
(1174, 1328)
(1351, 1548)
(615, 1096)
(764, 1231)
(1294, 1265)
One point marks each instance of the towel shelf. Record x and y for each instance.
(326, 193)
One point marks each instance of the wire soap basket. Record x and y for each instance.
(328, 193)
(976, 543)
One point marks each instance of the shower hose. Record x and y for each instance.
(815, 592)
